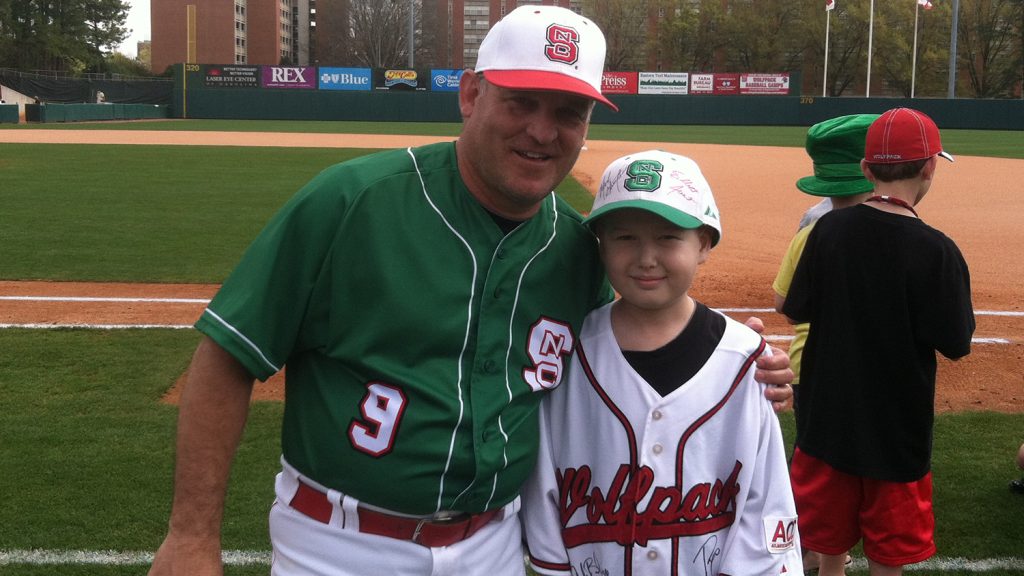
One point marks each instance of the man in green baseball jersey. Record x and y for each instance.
(423, 300)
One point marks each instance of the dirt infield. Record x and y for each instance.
(972, 201)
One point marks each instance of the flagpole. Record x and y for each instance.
(913, 66)
(871, 34)
(824, 81)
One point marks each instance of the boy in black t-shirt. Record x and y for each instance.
(883, 292)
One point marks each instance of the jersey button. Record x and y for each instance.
(652, 554)
(657, 449)
(501, 254)
(488, 366)
(656, 415)
(497, 293)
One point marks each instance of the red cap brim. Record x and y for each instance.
(542, 80)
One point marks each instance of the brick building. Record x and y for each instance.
(311, 32)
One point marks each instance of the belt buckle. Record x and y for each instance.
(441, 518)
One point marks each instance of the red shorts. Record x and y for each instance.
(837, 509)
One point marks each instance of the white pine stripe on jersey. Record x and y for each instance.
(465, 340)
(508, 349)
(244, 339)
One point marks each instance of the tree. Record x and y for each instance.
(763, 36)
(625, 27)
(380, 32)
(63, 35)
(894, 47)
(691, 34)
(989, 37)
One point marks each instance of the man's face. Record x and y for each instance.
(516, 146)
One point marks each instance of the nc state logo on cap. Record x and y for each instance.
(563, 44)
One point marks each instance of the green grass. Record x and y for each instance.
(149, 213)
(87, 451)
(88, 454)
(142, 213)
(1002, 144)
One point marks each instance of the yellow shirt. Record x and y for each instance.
(781, 287)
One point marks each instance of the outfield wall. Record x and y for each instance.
(193, 99)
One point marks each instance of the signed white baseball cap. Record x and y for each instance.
(540, 47)
(669, 185)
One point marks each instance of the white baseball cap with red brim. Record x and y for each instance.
(545, 48)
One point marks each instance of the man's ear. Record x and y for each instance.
(469, 89)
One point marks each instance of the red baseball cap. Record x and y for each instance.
(903, 135)
(537, 47)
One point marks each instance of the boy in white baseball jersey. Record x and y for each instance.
(659, 454)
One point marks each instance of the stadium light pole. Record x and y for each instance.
(951, 92)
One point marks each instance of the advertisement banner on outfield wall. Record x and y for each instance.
(345, 78)
(231, 76)
(446, 80)
(664, 83)
(303, 77)
(397, 79)
(727, 84)
(619, 83)
(702, 83)
(764, 84)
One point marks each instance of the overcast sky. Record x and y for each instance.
(138, 23)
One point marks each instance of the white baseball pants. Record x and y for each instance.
(303, 546)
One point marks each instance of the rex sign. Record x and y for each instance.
(288, 77)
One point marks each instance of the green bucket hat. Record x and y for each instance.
(836, 147)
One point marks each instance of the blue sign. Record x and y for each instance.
(345, 79)
(445, 80)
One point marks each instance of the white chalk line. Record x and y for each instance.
(262, 558)
(77, 326)
(204, 301)
(116, 558)
(74, 326)
(104, 299)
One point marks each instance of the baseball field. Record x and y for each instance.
(114, 235)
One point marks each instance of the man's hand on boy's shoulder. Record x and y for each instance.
(774, 371)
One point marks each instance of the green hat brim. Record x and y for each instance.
(832, 187)
(673, 215)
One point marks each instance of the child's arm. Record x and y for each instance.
(542, 527)
(765, 539)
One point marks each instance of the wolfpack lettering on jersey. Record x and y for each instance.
(635, 483)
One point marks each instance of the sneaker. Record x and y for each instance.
(1017, 486)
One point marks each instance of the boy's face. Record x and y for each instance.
(650, 262)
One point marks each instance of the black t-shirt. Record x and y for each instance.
(672, 365)
(883, 292)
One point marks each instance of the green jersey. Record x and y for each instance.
(418, 337)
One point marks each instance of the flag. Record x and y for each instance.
(925, 4)
(831, 4)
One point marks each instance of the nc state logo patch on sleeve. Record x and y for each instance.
(780, 534)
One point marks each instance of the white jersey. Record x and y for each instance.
(630, 483)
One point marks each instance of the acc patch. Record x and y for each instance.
(779, 533)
